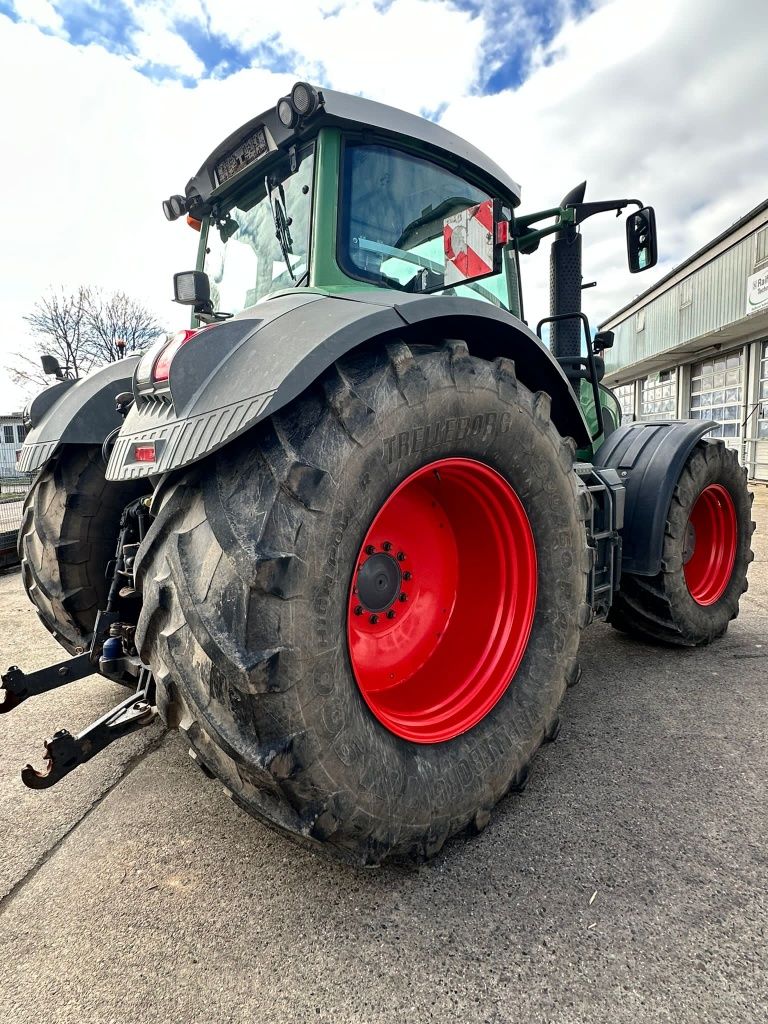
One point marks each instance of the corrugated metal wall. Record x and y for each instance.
(713, 296)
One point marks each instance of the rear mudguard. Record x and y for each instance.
(649, 458)
(75, 412)
(234, 374)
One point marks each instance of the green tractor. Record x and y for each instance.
(346, 530)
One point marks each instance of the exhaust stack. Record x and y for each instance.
(565, 282)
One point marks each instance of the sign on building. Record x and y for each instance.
(757, 291)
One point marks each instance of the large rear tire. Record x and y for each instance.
(68, 535)
(254, 570)
(705, 557)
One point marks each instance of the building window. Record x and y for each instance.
(761, 246)
(659, 399)
(625, 394)
(716, 393)
(686, 292)
(21, 432)
(640, 320)
(8, 433)
(762, 394)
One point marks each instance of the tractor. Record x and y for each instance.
(345, 531)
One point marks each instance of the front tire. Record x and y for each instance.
(705, 556)
(250, 594)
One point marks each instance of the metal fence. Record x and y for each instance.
(13, 488)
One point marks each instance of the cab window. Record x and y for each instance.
(394, 205)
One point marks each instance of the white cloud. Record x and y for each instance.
(660, 100)
(156, 43)
(95, 146)
(415, 54)
(41, 13)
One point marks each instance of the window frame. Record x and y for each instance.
(652, 394)
(457, 168)
(761, 235)
(703, 411)
(628, 390)
(762, 403)
(247, 188)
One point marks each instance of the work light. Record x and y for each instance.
(286, 113)
(174, 207)
(304, 99)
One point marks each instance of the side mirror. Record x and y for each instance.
(192, 288)
(642, 252)
(51, 367)
(603, 340)
(473, 240)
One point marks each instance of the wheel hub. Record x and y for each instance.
(710, 545)
(378, 582)
(442, 600)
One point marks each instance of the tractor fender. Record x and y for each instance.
(234, 374)
(649, 458)
(75, 412)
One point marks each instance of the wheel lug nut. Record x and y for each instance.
(401, 556)
(359, 610)
(386, 546)
(373, 620)
(370, 549)
(407, 575)
(403, 597)
(391, 613)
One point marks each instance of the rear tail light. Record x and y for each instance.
(162, 366)
(144, 453)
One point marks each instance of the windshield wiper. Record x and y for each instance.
(282, 223)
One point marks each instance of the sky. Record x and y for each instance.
(109, 106)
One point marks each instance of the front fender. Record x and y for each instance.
(75, 412)
(232, 375)
(649, 458)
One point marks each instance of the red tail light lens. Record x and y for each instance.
(144, 453)
(162, 365)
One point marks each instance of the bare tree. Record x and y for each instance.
(57, 322)
(116, 326)
(83, 329)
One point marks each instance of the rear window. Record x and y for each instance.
(394, 205)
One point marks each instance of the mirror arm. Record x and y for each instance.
(583, 210)
(528, 241)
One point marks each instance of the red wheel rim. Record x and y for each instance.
(710, 544)
(442, 600)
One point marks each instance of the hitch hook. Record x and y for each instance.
(65, 752)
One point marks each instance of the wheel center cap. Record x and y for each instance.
(378, 582)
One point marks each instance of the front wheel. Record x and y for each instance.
(705, 557)
(365, 612)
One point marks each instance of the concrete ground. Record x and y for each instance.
(628, 883)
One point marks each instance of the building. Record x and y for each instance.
(695, 344)
(12, 433)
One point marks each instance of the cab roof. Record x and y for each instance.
(350, 112)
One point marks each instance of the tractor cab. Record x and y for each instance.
(337, 194)
(348, 196)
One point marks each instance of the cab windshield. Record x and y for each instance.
(260, 244)
(394, 208)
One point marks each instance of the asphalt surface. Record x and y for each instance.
(628, 882)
